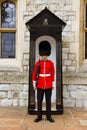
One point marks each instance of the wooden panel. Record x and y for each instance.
(59, 97)
(31, 66)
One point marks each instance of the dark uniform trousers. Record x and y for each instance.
(40, 94)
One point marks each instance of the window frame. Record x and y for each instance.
(81, 61)
(85, 27)
(9, 30)
(81, 47)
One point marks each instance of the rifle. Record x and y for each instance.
(37, 73)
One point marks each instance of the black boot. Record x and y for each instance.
(37, 119)
(51, 119)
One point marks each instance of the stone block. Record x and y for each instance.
(10, 94)
(82, 95)
(3, 94)
(24, 95)
(69, 23)
(66, 95)
(75, 26)
(73, 62)
(4, 87)
(54, 1)
(72, 18)
(68, 2)
(26, 102)
(84, 88)
(25, 13)
(68, 37)
(25, 68)
(67, 8)
(53, 7)
(29, 1)
(15, 102)
(64, 68)
(79, 103)
(69, 103)
(22, 102)
(6, 102)
(64, 88)
(67, 62)
(16, 87)
(58, 14)
(72, 56)
(26, 56)
(65, 50)
(63, 2)
(26, 87)
(27, 39)
(80, 87)
(73, 95)
(25, 62)
(72, 88)
(39, 1)
(65, 18)
(65, 45)
(27, 34)
(71, 13)
(65, 56)
(85, 103)
(15, 94)
(59, 8)
(67, 28)
(71, 68)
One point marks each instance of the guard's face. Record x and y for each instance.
(44, 57)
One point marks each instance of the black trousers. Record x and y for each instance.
(40, 94)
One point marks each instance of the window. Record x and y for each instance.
(8, 30)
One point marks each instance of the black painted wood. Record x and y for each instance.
(59, 92)
(31, 96)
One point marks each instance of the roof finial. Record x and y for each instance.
(45, 7)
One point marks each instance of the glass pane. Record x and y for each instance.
(8, 45)
(8, 15)
(86, 45)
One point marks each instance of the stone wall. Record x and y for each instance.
(14, 83)
(75, 95)
(25, 62)
(74, 89)
(13, 88)
(62, 9)
(13, 94)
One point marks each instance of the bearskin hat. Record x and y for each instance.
(44, 48)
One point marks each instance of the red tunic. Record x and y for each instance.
(46, 76)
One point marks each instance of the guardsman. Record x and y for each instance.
(45, 81)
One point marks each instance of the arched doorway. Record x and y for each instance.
(52, 57)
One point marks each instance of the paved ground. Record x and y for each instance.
(18, 119)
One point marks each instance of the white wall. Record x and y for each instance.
(52, 57)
